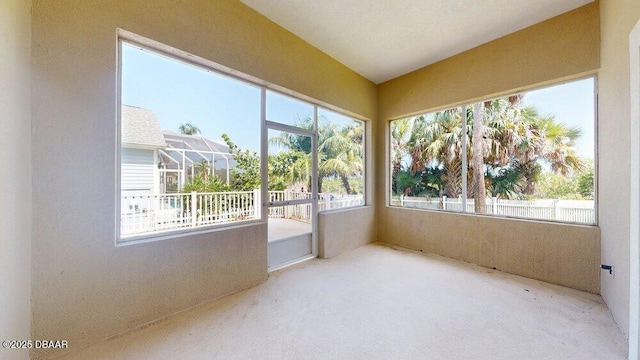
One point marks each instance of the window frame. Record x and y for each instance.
(160, 49)
(365, 152)
(464, 105)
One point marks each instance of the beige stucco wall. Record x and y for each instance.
(15, 182)
(343, 230)
(566, 255)
(617, 20)
(85, 288)
(346, 229)
(562, 47)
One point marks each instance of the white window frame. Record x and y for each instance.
(464, 106)
(211, 66)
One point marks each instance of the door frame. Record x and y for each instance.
(271, 125)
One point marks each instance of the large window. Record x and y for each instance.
(528, 155)
(190, 139)
(340, 149)
(341, 160)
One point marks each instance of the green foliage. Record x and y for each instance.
(427, 183)
(409, 184)
(507, 184)
(189, 129)
(245, 176)
(340, 153)
(517, 143)
(199, 184)
(586, 181)
(579, 186)
(335, 185)
(287, 168)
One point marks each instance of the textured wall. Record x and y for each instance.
(618, 18)
(559, 48)
(567, 255)
(85, 288)
(344, 230)
(15, 182)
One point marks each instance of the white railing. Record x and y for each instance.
(150, 213)
(576, 211)
(326, 201)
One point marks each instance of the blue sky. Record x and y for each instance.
(572, 103)
(181, 93)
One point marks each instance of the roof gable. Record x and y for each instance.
(141, 127)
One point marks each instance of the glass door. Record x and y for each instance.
(292, 194)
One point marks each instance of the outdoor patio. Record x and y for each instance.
(286, 228)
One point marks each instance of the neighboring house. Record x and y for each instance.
(157, 162)
(185, 154)
(141, 139)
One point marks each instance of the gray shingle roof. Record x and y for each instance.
(141, 127)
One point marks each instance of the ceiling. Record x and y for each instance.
(383, 39)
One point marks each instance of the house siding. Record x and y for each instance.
(137, 174)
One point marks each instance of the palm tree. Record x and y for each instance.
(340, 150)
(294, 164)
(189, 129)
(402, 134)
(342, 153)
(560, 146)
(479, 190)
(508, 143)
(440, 145)
(203, 167)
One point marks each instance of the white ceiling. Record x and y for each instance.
(383, 39)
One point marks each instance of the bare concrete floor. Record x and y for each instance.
(377, 302)
(284, 228)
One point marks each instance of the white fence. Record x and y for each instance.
(149, 213)
(326, 201)
(576, 211)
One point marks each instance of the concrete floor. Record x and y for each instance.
(284, 228)
(377, 302)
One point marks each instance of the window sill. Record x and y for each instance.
(497, 217)
(179, 233)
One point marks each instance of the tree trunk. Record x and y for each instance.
(345, 183)
(479, 195)
(452, 178)
(394, 176)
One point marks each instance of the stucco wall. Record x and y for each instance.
(15, 182)
(85, 288)
(562, 47)
(617, 20)
(344, 230)
(566, 255)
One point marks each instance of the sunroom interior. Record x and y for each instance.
(67, 274)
